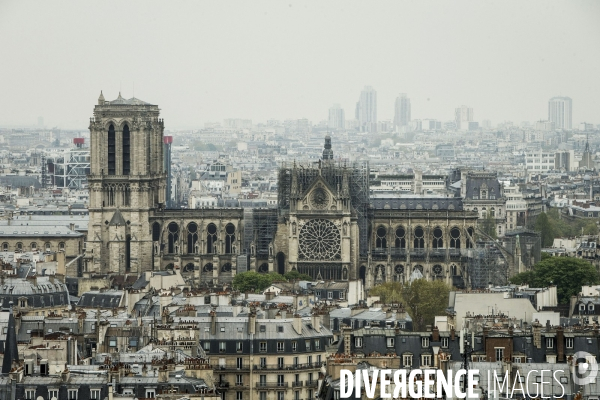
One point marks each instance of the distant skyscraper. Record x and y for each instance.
(560, 112)
(402, 111)
(337, 118)
(366, 110)
(462, 116)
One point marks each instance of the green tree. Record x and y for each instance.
(566, 227)
(590, 228)
(296, 276)
(488, 225)
(423, 299)
(275, 277)
(543, 225)
(252, 281)
(568, 274)
(389, 292)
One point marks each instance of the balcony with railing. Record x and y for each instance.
(437, 254)
(311, 384)
(271, 385)
(379, 254)
(418, 254)
(286, 367)
(454, 254)
(243, 367)
(398, 253)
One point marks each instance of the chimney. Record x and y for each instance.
(252, 321)
(316, 322)
(278, 315)
(213, 322)
(298, 324)
(163, 374)
(485, 334)
(346, 332)
(269, 295)
(537, 335)
(435, 334)
(65, 375)
(560, 344)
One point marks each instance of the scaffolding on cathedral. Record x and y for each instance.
(529, 245)
(333, 173)
(264, 227)
(487, 264)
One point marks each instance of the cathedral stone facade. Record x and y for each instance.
(326, 225)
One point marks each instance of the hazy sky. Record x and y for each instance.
(206, 61)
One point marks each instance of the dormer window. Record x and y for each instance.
(591, 307)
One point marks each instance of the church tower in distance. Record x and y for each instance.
(127, 183)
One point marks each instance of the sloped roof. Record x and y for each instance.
(130, 102)
(117, 219)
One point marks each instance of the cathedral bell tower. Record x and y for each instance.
(127, 182)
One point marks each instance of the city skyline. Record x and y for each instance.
(201, 70)
(560, 112)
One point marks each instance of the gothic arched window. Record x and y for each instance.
(400, 237)
(111, 150)
(192, 237)
(211, 238)
(381, 241)
(455, 238)
(419, 238)
(438, 241)
(173, 229)
(126, 146)
(229, 238)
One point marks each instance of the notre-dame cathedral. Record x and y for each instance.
(326, 224)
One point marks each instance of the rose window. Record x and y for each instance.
(319, 198)
(320, 240)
